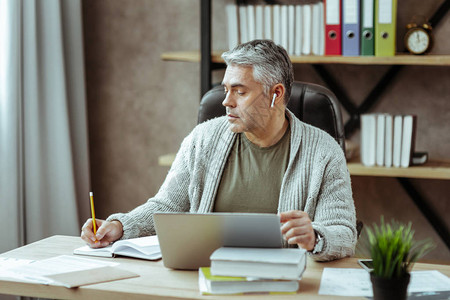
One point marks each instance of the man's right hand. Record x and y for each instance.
(107, 233)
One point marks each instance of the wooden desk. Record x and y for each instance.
(156, 281)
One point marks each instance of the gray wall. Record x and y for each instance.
(141, 107)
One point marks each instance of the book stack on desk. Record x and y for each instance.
(253, 270)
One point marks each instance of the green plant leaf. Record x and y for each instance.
(393, 248)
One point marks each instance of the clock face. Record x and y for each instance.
(418, 41)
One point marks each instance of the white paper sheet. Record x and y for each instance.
(10, 262)
(428, 281)
(7, 263)
(345, 282)
(37, 270)
(356, 282)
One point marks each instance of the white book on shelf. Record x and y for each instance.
(251, 22)
(259, 22)
(243, 27)
(298, 30)
(268, 22)
(233, 29)
(284, 27)
(388, 141)
(276, 24)
(307, 29)
(381, 124)
(368, 139)
(315, 43)
(397, 141)
(408, 140)
(321, 29)
(291, 38)
(272, 263)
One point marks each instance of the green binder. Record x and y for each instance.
(385, 27)
(367, 28)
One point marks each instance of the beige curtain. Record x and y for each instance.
(44, 166)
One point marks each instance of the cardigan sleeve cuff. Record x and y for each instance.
(322, 255)
(128, 225)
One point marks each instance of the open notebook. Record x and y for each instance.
(144, 247)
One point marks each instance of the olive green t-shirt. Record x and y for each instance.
(252, 177)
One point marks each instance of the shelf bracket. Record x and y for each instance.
(336, 88)
(205, 46)
(440, 13)
(353, 123)
(429, 213)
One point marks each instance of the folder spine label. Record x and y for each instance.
(385, 11)
(332, 12)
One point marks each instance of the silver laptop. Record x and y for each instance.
(187, 240)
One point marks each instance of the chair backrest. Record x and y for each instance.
(311, 103)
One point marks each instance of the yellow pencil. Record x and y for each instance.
(94, 225)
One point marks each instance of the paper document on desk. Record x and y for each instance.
(345, 282)
(7, 263)
(68, 271)
(11, 262)
(356, 282)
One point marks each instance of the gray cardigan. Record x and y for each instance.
(316, 181)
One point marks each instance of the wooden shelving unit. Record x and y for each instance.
(210, 60)
(400, 59)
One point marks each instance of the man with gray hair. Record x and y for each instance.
(257, 158)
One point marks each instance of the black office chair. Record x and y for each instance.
(311, 103)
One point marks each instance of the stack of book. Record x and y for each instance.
(389, 140)
(328, 27)
(253, 270)
(298, 28)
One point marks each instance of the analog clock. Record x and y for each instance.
(418, 38)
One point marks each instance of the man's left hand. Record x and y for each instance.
(297, 229)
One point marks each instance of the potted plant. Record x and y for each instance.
(393, 250)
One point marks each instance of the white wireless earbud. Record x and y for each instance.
(273, 100)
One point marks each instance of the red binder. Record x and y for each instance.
(333, 23)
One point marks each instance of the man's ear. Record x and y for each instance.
(277, 94)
